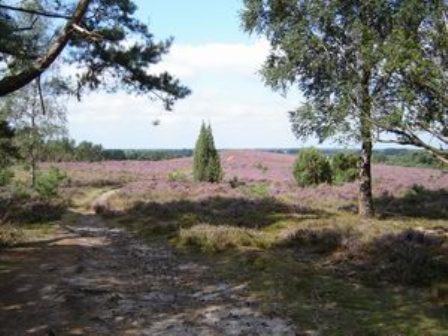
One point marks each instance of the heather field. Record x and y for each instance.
(253, 172)
(148, 251)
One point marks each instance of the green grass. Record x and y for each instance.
(257, 190)
(317, 300)
(213, 239)
(300, 264)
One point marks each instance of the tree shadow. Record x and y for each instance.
(27, 210)
(409, 257)
(238, 212)
(418, 202)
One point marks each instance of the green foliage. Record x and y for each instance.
(87, 151)
(119, 43)
(312, 168)
(213, 239)
(8, 152)
(344, 167)
(258, 190)
(177, 176)
(10, 235)
(6, 177)
(362, 66)
(145, 154)
(200, 160)
(47, 183)
(407, 158)
(206, 162)
(59, 150)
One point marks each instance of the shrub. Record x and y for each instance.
(235, 182)
(323, 240)
(312, 168)
(214, 239)
(177, 176)
(206, 163)
(47, 184)
(6, 177)
(410, 257)
(10, 235)
(258, 190)
(344, 167)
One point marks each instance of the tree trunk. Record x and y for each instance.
(365, 202)
(33, 172)
(365, 207)
(33, 145)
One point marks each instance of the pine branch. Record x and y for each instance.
(36, 12)
(14, 82)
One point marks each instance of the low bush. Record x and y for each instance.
(410, 257)
(212, 239)
(177, 176)
(312, 168)
(319, 240)
(344, 167)
(235, 182)
(258, 190)
(47, 183)
(10, 235)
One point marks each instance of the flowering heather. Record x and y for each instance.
(250, 167)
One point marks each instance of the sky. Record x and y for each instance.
(219, 62)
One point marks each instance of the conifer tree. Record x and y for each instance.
(200, 155)
(214, 171)
(206, 163)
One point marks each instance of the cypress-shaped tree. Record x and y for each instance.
(214, 171)
(206, 163)
(200, 159)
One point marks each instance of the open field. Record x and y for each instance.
(253, 255)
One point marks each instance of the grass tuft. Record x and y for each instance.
(213, 239)
(10, 235)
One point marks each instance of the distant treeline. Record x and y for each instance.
(392, 156)
(66, 149)
(146, 154)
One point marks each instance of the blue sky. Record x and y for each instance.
(219, 62)
(196, 21)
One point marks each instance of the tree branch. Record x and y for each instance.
(31, 26)
(408, 137)
(36, 12)
(15, 82)
(93, 36)
(41, 96)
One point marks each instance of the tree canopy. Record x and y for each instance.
(369, 70)
(102, 41)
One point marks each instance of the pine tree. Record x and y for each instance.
(206, 163)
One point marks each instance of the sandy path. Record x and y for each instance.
(92, 280)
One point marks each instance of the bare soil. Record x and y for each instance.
(89, 279)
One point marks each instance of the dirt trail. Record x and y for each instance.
(93, 280)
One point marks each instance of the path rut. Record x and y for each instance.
(94, 280)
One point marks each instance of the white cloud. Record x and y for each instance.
(226, 92)
(189, 60)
